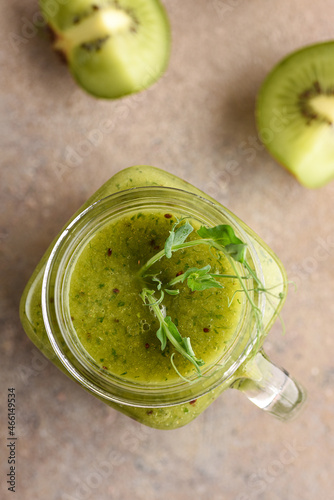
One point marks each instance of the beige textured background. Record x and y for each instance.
(197, 122)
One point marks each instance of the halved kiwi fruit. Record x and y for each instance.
(112, 47)
(295, 114)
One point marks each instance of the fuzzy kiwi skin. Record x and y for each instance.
(110, 60)
(295, 114)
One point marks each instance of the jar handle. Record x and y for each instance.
(270, 388)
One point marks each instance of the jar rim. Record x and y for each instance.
(107, 386)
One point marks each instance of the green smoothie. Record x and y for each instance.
(116, 330)
(114, 326)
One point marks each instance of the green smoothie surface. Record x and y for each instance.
(117, 331)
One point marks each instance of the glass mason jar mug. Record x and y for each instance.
(140, 380)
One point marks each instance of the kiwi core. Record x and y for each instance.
(317, 104)
(323, 106)
(98, 26)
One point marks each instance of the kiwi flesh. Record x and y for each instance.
(112, 47)
(295, 114)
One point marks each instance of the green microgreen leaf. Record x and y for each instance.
(225, 236)
(177, 237)
(237, 252)
(158, 281)
(198, 285)
(222, 234)
(198, 279)
(172, 292)
(161, 334)
(183, 342)
(203, 271)
(168, 330)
